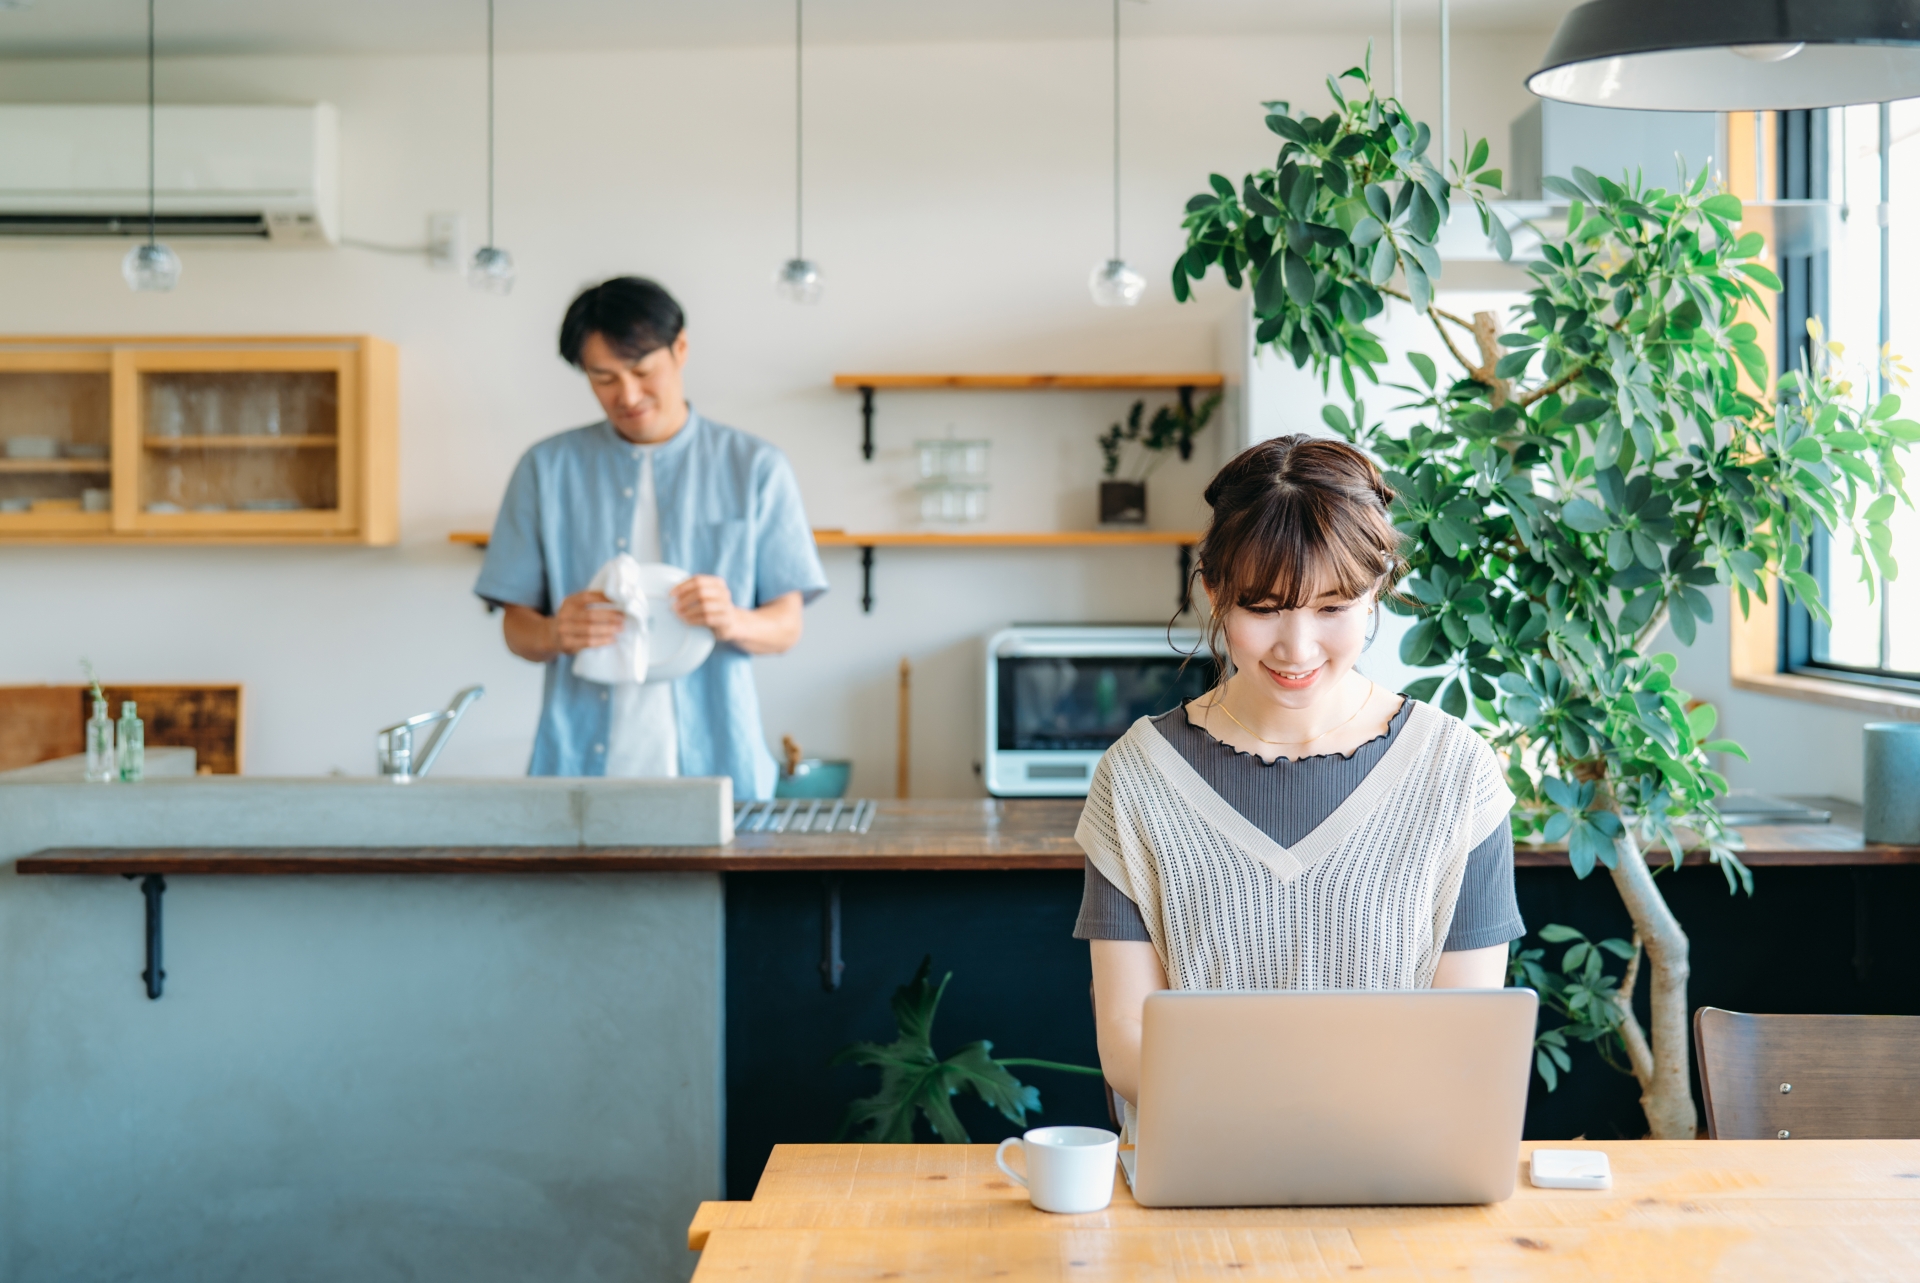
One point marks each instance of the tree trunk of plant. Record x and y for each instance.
(1662, 1068)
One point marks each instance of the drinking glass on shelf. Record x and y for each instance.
(206, 406)
(260, 414)
(168, 409)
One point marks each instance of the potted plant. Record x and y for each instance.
(1599, 458)
(1171, 428)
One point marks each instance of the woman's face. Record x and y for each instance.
(1294, 657)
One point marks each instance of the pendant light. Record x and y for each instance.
(1733, 55)
(799, 279)
(150, 267)
(1113, 283)
(492, 267)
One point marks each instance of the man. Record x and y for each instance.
(659, 481)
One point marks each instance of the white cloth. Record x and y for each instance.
(643, 741)
(1362, 902)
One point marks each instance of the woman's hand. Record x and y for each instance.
(1124, 973)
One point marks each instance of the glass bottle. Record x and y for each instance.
(103, 767)
(133, 745)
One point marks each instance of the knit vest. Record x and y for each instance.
(1362, 902)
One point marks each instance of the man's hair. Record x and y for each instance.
(634, 315)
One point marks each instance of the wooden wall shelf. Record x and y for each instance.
(1030, 382)
(1003, 538)
(867, 384)
(867, 541)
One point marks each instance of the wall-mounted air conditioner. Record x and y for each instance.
(259, 173)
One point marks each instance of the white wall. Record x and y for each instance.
(957, 198)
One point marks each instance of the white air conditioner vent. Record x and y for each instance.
(242, 173)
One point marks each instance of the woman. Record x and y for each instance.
(1297, 827)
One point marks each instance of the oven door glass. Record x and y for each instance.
(1057, 703)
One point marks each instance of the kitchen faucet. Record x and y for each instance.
(393, 747)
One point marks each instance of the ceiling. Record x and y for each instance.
(111, 28)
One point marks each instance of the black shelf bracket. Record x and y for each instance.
(152, 886)
(866, 423)
(1185, 597)
(866, 579)
(831, 964)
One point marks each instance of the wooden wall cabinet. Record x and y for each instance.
(199, 440)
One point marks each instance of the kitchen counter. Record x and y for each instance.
(933, 835)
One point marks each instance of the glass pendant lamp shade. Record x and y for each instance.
(151, 267)
(1732, 55)
(799, 281)
(491, 270)
(1114, 284)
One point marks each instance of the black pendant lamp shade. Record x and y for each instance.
(1733, 55)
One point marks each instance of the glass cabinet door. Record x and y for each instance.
(259, 449)
(55, 430)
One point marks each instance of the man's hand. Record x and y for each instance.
(705, 600)
(584, 620)
(763, 630)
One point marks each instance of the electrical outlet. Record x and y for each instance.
(444, 234)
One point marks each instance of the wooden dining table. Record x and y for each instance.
(1678, 1210)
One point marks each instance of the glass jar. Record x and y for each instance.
(103, 765)
(133, 745)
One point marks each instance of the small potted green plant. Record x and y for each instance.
(1172, 427)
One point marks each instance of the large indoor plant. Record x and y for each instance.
(1603, 456)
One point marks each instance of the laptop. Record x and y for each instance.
(1285, 1099)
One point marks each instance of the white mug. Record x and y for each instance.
(1069, 1169)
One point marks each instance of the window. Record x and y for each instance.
(1871, 299)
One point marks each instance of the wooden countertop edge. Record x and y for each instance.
(280, 861)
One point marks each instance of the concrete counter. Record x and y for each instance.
(459, 1077)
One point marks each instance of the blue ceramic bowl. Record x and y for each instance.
(814, 777)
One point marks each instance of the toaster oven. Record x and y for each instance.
(1059, 695)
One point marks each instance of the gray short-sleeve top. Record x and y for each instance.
(1289, 798)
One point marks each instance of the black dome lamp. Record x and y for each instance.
(1733, 55)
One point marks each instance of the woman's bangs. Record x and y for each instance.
(1293, 561)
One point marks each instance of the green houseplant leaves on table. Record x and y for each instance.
(1603, 455)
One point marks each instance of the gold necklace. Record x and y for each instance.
(1221, 704)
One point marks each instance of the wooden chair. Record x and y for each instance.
(1809, 1077)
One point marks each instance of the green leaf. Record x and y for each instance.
(1424, 367)
(1419, 640)
(1762, 275)
(1288, 128)
(1583, 515)
(1724, 206)
(1299, 279)
(1424, 688)
(1478, 156)
(1554, 933)
(1880, 509)
(1453, 700)
(913, 1080)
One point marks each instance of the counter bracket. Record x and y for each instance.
(866, 423)
(866, 579)
(152, 886)
(831, 964)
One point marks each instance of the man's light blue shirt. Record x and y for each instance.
(729, 506)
